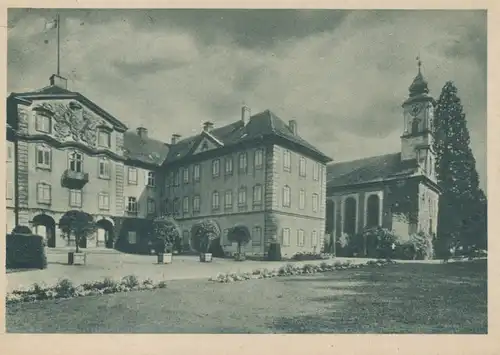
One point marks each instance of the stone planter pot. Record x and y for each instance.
(164, 258)
(75, 258)
(206, 257)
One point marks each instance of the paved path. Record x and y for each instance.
(116, 265)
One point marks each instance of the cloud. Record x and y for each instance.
(342, 75)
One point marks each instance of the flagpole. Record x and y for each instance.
(58, 23)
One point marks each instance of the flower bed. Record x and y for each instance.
(302, 256)
(291, 269)
(66, 289)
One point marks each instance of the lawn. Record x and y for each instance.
(402, 298)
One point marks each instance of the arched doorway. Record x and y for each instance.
(373, 211)
(45, 226)
(104, 234)
(350, 220)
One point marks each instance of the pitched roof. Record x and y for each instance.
(262, 124)
(54, 90)
(144, 149)
(377, 168)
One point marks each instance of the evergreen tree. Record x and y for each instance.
(462, 207)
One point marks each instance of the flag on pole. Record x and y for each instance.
(49, 25)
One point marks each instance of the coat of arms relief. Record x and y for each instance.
(72, 121)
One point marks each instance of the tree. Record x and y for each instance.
(462, 206)
(79, 224)
(202, 234)
(239, 235)
(166, 231)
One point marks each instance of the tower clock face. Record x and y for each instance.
(415, 109)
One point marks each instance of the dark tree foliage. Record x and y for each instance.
(462, 206)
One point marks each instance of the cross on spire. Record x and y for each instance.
(419, 63)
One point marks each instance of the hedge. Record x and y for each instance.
(25, 251)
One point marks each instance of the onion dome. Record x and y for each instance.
(419, 84)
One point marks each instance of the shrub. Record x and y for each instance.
(202, 235)
(166, 231)
(240, 235)
(21, 230)
(130, 281)
(274, 253)
(25, 251)
(79, 224)
(162, 284)
(65, 288)
(422, 243)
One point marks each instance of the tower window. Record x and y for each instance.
(415, 125)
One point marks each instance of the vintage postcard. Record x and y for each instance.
(246, 171)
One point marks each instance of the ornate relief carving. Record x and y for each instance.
(71, 120)
(22, 115)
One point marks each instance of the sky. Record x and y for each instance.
(342, 75)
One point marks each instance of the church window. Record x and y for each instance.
(415, 125)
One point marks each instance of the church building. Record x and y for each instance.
(397, 191)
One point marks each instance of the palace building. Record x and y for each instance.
(65, 152)
(396, 191)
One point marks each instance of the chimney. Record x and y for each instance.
(142, 132)
(207, 126)
(56, 80)
(245, 114)
(292, 124)
(175, 138)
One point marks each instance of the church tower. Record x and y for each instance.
(417, 139)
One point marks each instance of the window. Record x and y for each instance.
(259, 154)
(242, 196)
(185, 175)
(43, 193)
(229, 166)
(185, 205)
(243, 162)
(302, 167)
(151, 206)
(196, 173)
(104, 168)
(314, 239)
(150, 179)
(287, 160)
(196, 203)
(43, 157)
(132, 176)
(104, 138)
(76, 162)
(302, 199)
(42, 123)
(166, 206)
(300, 238)
(216, 168)
(315, 202)
(286, 196)
(132, 205)
(257, 236)
(228, 199)
(215, 200)
(103, 201)
(10, 191)
(132, 237)
(177, 178)
(316, 171)
(177, 206)
(257, 194)
(10, 152)
(286, 237)
(75, 198)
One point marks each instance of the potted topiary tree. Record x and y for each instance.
(81, 226)
(166, 230)
(202, 234)
(241, 236)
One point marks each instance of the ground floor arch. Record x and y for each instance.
(373, 211)
(45, 226)
(350, 216)
(105, 233)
